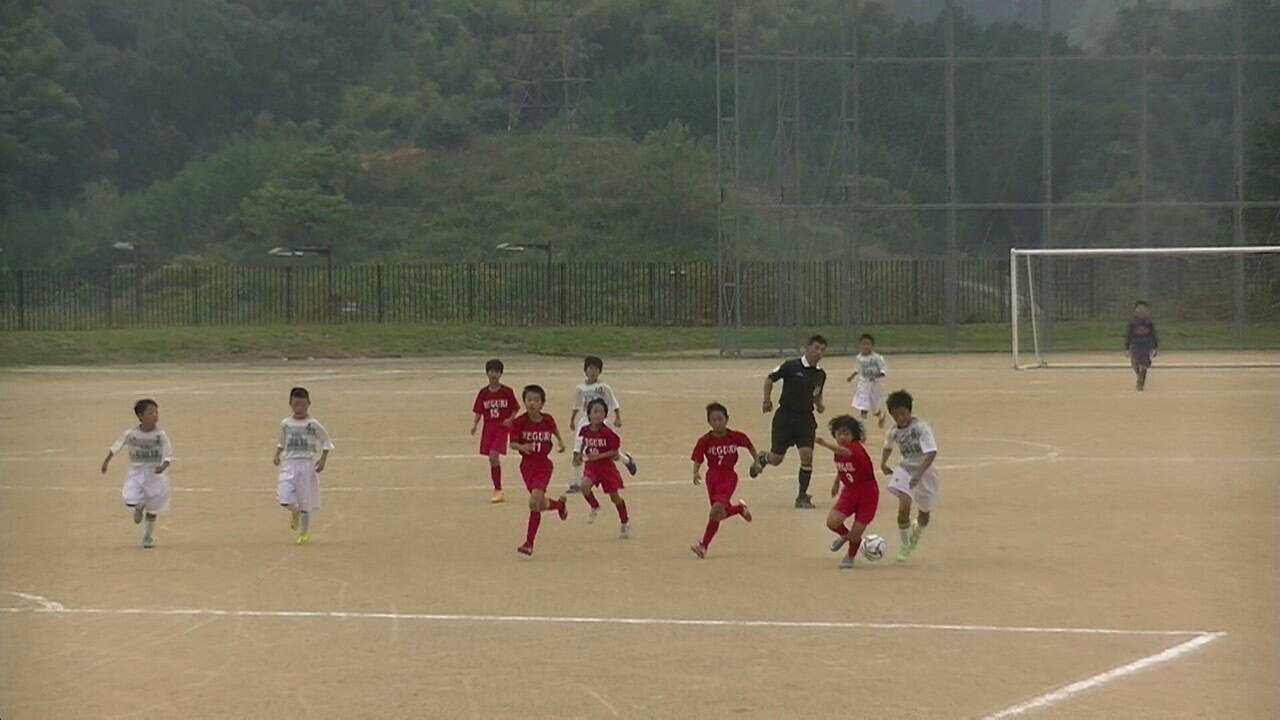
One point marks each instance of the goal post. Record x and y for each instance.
(1077, 300)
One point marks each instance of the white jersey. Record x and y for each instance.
(303, 439)
(914, 442)
(871, 367)
(146, 449)
(587, 392)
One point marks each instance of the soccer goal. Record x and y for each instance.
(1069, 307)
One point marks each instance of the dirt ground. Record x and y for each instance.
(1095, 552)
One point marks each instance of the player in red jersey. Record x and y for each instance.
(600, 454)
(495, 404)
(855, 484)
(719, 449)
(531, 436)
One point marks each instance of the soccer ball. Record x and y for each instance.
(873, 547)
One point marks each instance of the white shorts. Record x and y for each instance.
(869, 397)
(923, 494)
(142, 486)
(299, 484)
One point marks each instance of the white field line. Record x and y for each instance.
(58, 609)
(1069, 691)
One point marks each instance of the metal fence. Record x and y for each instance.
(868, 291)
(799, 293)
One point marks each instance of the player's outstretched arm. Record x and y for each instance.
(925, 465)
(324, 458)
(884, 461)
(107, 461)
(555, 433)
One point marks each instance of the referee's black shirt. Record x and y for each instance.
(801, 383)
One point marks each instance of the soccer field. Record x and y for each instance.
(1094, 552)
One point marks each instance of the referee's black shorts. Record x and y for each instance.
(792, 429)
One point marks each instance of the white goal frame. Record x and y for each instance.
(1027, 253)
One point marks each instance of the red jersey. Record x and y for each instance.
(538, 434)
(595, 442)
(720, 453)
(856, 469)
(495, 406)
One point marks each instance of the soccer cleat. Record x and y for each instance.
(497, 497)
(846, 563)
(629, 463)
(304, 538)
(915, 535)
(624, 532)
(137, 514)
(573, 489)
(838, 543)
(525, 549)
(148, 542)
(746, 512)
(294, 517)
(563, 510)
(903, 553)
(591, 516)
(699, 549)
(804, 502)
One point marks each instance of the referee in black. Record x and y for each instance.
(794, 423)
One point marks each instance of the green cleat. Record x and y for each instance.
(304, 538)
(903, 552)
(148, 542)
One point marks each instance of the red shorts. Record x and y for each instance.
(720, 487)
(858, 500)
(536, 475)
(605, 474)
(493, 439)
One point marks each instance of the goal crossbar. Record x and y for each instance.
(1026, 254)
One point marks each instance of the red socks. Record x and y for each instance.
(495, 474)
(712, 527)
(841, 530)
(535, 519)
(733, 510)
(590, 497)
(622, 512)
(554, 504)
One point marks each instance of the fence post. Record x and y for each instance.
(111, 298)
(22, 300)
(288, 294)
(195, 296)
(563, 293)
(137, 294)
(378, 284)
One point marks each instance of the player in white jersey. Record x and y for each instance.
(916, 479)
(868, 397)
(593, 389)
(146, 486)
(302, 437)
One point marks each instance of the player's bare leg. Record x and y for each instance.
(854, 536)
(495, 475)
(835, 523)
(624, 531)
(880, 418)
(537, 503)
(137, 512)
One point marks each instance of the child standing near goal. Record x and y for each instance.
(868, 397)
(855, 489)
(531, 435)
(719, 449)
(599, 446)
(915, 481)
(587, 392)
(302, 437)
(146, 485)
(1140, 341)
(496, 405)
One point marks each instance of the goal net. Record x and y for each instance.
(1070, 307)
